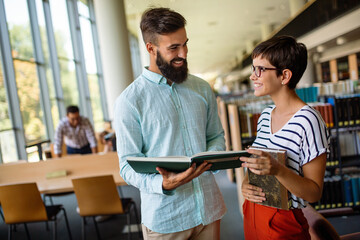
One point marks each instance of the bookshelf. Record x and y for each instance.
(340, 109)
(241, 113)
(342, 179)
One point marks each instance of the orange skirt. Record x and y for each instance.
(263, 222)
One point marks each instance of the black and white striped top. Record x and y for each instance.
(304, 137)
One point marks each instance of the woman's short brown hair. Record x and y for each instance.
(284, 52)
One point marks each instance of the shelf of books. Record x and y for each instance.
(342, 178)
(339, 106)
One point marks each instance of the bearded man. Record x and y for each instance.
(168, 112)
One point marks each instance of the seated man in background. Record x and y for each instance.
(78, 133)
(107, 140)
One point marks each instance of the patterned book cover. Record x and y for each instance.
(276, 194)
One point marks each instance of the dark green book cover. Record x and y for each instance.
(219, 160)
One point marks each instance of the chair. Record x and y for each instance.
(321, 229)
(22, 203)
(99, 196)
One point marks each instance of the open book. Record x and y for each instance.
(275, 193)
(218, 159)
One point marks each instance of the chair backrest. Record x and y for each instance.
(97, 196)
(22, 203)
(319, 227)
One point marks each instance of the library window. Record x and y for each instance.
(325, 72)
(50, 68)
(26, 73)
(358, 64)
(7, 139)
(343, 68)
(60, 20)
(90, 63)
(46, 64)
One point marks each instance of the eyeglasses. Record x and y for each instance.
(259, 69)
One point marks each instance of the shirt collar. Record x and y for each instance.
(154, 77)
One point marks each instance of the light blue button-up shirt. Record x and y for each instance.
(154, 119)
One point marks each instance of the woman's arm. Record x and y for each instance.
(308, 187)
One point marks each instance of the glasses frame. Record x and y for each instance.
(253, 69)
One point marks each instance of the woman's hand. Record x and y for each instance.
(264, 164)
(251, 192)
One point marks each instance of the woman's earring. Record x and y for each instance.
(282, 83)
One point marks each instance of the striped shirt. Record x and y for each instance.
(304, 137)
(77, 137)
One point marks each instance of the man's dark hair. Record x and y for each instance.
(72, 109)
(160, 21)
(284, 52)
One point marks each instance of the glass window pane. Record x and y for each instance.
(90, 61)
(325, 72)
(69, 83)
(29, 98)
(343, 68)
(19, 29)
(5, 122)
(61, 28)
(96, 102)
(25, 69)
(88, 46)
(358, 64)
(49, 75)
(83, 8)
(7, 137)
(8, 146)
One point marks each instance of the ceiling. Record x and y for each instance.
(219, 31)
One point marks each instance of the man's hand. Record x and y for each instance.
(173, 180)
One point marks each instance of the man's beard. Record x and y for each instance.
(174, 74)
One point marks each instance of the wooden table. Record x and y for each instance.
(75, 166)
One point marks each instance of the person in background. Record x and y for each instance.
(77, 132)
(106, 139)
(289, 124)
(168, 112)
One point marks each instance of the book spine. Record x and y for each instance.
(345, 111)
(357, 110)
(329, 108)
(338, 191)
(355, 189)
(339, 112)
(348, 192)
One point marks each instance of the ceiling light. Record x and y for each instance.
(320, 48)
(213, 23)
(340, 40)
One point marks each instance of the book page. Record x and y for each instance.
(219, 153)
(160, 159)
